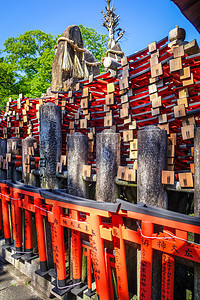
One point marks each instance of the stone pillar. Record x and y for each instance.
(152, 159)
(27, 177)
(3, 150)
(77, 156)
(50, 144)
(197, 204)
(50, 152)
(107, 161)
(14, 146)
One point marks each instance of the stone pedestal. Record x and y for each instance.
(3, 150)
(14, 146)
(152, 159)
(50, 152)
(107, 161)
(27, 177)
(77, 157)
(50, 144)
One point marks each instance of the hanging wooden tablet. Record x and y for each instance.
(121, 172)
(110, 99)
(178, 51)
(187, 132)
(156, 70)
(152, 47)
(186, 179)
(189, 81)
(175, 64)
(188, 121)
(179, 111)
(185, 73)
(168, 177)
(130, 175)
(156, 102)
(155, 111)
(183, 101)
(87, 171)
(183, 93)
(127, 135)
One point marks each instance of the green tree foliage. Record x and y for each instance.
(30, 57)
(94, 42)
(26, 61)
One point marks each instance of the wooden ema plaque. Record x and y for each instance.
(152, 47)
(156, 70)
(124, 112)
(187, 132)
(85, 92)
(186, 180)
(123, 83)
(188, 121)
(153, 61)
(152, 88)
(162, 119)
(110, 88)
(127, 135)
(172, 139)
(133, 154)
(183, 101)
(87, 171)
(130, 175)
(178, 51)
(108, 120)
(155, 111)
(183, 93)
(133, 125)
(175, 64)
(179, 111)
(59, 167)
(121, 173)
(168, 177)
(84, 103)
(124, 98)
(156, 102)
(127, 120)
(134, 145)
(185, 73)
(189, 81)
(110, 99)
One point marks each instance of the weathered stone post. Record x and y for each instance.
(107, 161)
(152, 159)
(50, 144)
(50, 152)
(197, 204)
(77, 157)
(27, 176)
(14, 147)
(3, 150)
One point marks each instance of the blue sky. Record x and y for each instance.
(145, 21)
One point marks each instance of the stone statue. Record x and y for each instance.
(72, 62)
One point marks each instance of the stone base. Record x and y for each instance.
(39, 280)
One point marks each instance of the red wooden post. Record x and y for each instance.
(40, 235)
(17, 221)
(146, 262)
(167, 277)
(76, 251)
(5, 211)
(28, 229)
(120, 259)
(59, 246)
(98, 259)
